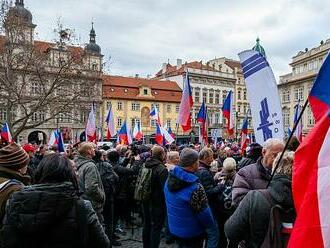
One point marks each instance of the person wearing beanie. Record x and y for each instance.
(189, 215)
(253, 152)
(13, 166)
(31, 169)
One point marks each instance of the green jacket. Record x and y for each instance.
(90, 183)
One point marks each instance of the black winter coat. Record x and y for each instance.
(158, 179)
(251, 219)
(49, 216)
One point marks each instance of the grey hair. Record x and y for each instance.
(272, 142)
(188, 157)
(172, 155)
(205, 152)
(285, 165)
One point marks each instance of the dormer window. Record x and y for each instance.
(94, 67)
(145, 92)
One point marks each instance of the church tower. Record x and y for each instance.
(93, 52)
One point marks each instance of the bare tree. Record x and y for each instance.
(38, 80)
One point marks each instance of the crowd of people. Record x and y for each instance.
(192, 196)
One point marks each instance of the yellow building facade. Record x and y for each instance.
(132, 99)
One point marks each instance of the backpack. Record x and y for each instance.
(143, 185)
(280, 225)
(225, 198)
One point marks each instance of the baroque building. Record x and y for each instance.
(51, 85)
(295, 86)
(132, 98)
(209, 83)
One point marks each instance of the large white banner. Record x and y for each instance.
(263, 96)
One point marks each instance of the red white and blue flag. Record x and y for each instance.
(228, 112)
(154, 114)
(311, 172)
(202, 120)
(169, 130)
(137, 132)
(244, 135)
(159, 136)
(162, 136)
(184, 117)
(56, 139)
(111, 132)
(5, 133)
(53, 141)
(91, 126)
(298, 132)
(124, 135)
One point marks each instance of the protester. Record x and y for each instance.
(253, 213)
(154, 209)
(173, 158)
(52, 215)
(253, 152)
(110, 181)
(257, 175)
(13, 166)
(293, 144)
(206, 178)
(31, 170)
(189, 214)
(90, 182)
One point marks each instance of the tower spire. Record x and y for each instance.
(92, 34)
(19, 3)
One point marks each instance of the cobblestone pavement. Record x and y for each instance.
(134, 239)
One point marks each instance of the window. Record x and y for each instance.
(135, 106)
(153, 105)
(94, 67)
(168, 108)
(83, 116)
(204, 96)
(145, 92)
(286, 117)
(109, 105)
(244, 95)
(177, 108)
(40, 117)
(153, 123)
(119, 122)
(64, 118)
(211, 95)
(239, 108)
(120, 106)
(286, 95)
(238, 95)
(299, 94)
(168, 123)
(244, 107)
(224, 96)
(135, 120)
(217, 118)
(35, 88)
(197, 96)
(310, 117)
(3, 114)
(217, 98)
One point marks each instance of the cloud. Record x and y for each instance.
(142, 34)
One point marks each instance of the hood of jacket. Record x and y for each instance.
(152, 162)
(44, 206)
(179, 179)
(281, 190)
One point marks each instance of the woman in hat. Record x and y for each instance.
(13, 165)
(51, 213)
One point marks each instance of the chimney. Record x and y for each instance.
(164, 67)
(178, 63)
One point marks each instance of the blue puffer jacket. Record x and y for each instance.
(188, 212)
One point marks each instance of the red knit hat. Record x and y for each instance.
(29, 148)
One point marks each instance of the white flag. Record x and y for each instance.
(263, 96)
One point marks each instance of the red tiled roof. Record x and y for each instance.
(129, 88)
(174, 70)
(233, 64)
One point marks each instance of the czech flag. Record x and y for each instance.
(137, 133)
(154, 114)
(184, 117)
(5, 133)
(244, 135)
(228, 112)
(111, 132)
(159, 138)
(53, 141)
(91, 126)
(202, 119)
(311, 172)
(169, 130)
(298, 132)
(124, 135)
(60, 142)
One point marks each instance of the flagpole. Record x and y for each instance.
(176, 136)
(288, 141)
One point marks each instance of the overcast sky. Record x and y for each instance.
(140, 35)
